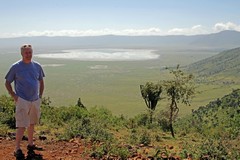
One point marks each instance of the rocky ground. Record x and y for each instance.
(75, 149)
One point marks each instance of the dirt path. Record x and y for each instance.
(74, 150)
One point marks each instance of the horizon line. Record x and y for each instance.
(125, 35)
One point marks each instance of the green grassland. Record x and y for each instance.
(115, 85)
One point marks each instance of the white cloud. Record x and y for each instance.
(90, 32)
(226, 26)
(197, 29)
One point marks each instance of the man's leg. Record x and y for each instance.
(30, 134)
(31, 146)
(34, 119)
(19, 135)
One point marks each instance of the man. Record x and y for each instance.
(27, 76)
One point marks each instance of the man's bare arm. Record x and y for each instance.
(10, 90)
(41, 88)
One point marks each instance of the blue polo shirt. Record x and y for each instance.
(26, 77)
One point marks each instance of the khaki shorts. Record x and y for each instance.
(27, 112)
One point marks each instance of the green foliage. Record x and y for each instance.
(181, 87)
(86, 128)
(218, 117)
(62, 115)
(178, 89)
(133, 138)
(142, 119)
(3, 130)
(7, 111)
(218, 123)
(145, 138)
(121, 151)
(110, 150)
(105, 117)
(140, 136)
(163, 120)
(212, 148)
(151, 94)
(211, 131)
(77, 121)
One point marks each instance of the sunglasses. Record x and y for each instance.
(27, 46)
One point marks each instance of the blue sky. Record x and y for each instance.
(119, 17)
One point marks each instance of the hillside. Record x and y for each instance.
(74, 132)
(218, 124)
(226, 62)
(221, 39)
(210, 132)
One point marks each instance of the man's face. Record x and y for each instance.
(27, 54)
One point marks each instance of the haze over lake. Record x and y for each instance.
(103, 55)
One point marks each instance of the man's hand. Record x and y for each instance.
(14, 96)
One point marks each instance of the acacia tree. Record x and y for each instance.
(151, 94)
(180, 89)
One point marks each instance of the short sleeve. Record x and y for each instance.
(10, 76)
(41, 73)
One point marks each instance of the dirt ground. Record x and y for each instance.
(75, 149)
(72, 150)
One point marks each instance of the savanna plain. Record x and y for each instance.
(112, 84)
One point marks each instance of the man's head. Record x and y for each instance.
(26, 52)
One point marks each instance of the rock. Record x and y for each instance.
(73, 151)
(141, 145)
(146, 151)
(42, 138)
(25, 138)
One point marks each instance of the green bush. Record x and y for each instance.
(3, 129)
(7, 111)
(121, 151)
(142, 119)
(145, 138)
(79, 122)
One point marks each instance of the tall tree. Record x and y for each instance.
(151, 94)
(180, 89)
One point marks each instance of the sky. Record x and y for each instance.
(117, 17)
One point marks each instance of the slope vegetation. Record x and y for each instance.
(226, 62)
(218, 125)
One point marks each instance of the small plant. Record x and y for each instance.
(3, 129)
(133, 136)
(145, 138)
(121, 152)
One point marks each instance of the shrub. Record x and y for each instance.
(142, 119)
(7, 111)
(145, 138)
(3, 129)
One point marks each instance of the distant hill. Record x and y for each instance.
(220, 41)
(224, 38)
(226, 62)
